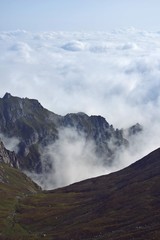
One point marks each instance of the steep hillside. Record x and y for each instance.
(14, 186)
(35, 127)
(123, 205)
(27, 120)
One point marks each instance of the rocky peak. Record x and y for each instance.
(36, 127)
(137, 128)
(99, 121)
(7, 95)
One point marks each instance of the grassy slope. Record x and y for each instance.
(14, 186)
(123, 205)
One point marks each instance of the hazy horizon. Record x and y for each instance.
(71, 15)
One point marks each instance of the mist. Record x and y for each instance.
(10, 143)
(113, 74)
(73, 158)
(70, 159)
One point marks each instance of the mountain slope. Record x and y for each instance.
(35, 128)
(14, 185)
(27, 120)
(122, 205)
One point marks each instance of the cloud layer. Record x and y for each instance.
(114, 74)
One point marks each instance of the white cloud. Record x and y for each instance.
(10, 143)
(111, 74)
(20, 51)
(70, 159)
(128, 46)
(74, 46)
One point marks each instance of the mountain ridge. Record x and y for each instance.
(36, 128)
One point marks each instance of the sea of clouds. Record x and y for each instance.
(114, 74)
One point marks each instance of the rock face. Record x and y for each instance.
(8, 157)
(33, 125)
(134, 129)
(36, 127)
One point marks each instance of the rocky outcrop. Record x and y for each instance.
(32, 124)
(36, 127)
(8, 157)
(133, 130)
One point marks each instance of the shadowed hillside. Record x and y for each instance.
(122, 205)
(14, 186)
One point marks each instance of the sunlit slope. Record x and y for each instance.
(123, 205)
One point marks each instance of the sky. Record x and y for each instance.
(79, 15)
(100, 57)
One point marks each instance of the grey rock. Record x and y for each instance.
(36, 127)
(8, 157)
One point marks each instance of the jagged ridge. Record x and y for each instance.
(36, 127)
